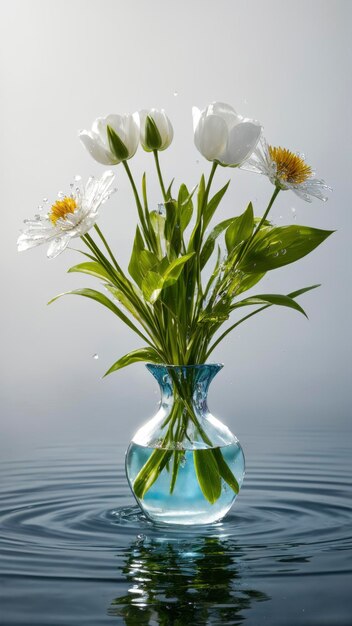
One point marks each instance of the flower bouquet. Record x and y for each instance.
(186, 278)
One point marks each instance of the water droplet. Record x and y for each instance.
(40, 207)
(165, 378)
(77, 178)
(183, 461)
(293, 210)
(280, 217)
(61, 195)
(295, 217)
(95, 357)
(175, 93)
(45, 200)
(276, 254)
(37, 217)
(283, 251)
(140, 539)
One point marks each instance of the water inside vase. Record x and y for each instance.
(186, 504)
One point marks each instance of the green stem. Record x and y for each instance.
(108, 249)
(257, 229)
(139, 205)
(157, 164)
(199, 247)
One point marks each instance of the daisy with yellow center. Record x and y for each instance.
(61, 208)
(70, 216)
(286, 170)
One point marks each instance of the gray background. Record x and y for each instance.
(63, 64)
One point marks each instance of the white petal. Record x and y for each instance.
(227, 113)
(242, 140)
(57, 246)
(211, 137)
(131, 140)
(196, 114)
(142, 115)
(97, 150)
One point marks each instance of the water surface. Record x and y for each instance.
(74, 548)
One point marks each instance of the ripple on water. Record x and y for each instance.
(68, 515)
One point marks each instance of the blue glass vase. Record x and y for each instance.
(184, 466)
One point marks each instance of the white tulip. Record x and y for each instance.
(221, 135)
(113, 138)
(156, 132)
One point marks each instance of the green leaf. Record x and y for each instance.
(281, 245)
(158, 223)
(185, 207)
(173, 271)
(270, 298)
(213, 205)
(299, 292)
(105, 301)
(121, 297)
(225, 471)
(134, 265)
(240, 229)
(208, 475)
(171, 213)
(242, 282)
(147, 261)
(169, 189)
(117, 146)
(150, 471)
(152, 285)
(92, 268)
(218, 313)
(142, 354)
(144, 192)
(209, 244)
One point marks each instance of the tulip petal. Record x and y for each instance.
(242, 141)
(226, 112)
(131, 123)
(96, 149)
(210, 137)
(196, 114)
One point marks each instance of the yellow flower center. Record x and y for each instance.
(290, 167)
(61, 208)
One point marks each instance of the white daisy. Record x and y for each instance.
(286, 170)
(70, 216)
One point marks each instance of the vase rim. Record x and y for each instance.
(195, 366)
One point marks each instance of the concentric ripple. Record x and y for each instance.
(68, 515)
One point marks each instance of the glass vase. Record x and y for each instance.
(184, 466)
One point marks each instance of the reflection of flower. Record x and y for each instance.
(70, 216)
(113, 138)
(286, 170)
(221, 135)
(156, 130)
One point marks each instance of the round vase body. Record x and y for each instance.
(184, 466)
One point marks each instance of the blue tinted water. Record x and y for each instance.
(75, 550)
(187, 504)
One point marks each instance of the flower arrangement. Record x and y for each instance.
(165, 298)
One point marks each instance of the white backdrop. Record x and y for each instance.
(63, 64)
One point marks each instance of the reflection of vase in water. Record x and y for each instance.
(184, 466)
(180, 581)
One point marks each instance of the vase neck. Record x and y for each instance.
(190, 382)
